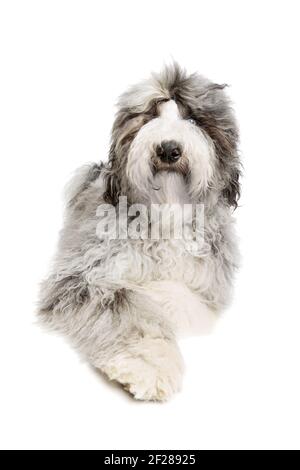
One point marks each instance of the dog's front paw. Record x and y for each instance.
(150, 369)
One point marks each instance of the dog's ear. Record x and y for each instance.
(112, 179)
(112, 191)
(123, 132)
(217, 119)
(229, 164)
(231, 193)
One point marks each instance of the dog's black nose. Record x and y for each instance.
(169, 151)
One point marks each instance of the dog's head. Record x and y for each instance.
(179, 124)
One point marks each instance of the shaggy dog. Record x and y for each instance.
(123, 301)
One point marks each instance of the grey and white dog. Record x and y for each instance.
(124, 301)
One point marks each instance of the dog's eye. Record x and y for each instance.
(192, 121)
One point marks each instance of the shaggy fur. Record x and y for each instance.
(123, 302)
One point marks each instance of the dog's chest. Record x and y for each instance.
(174, 280)
(163, 260)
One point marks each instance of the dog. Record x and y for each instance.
(123, 300)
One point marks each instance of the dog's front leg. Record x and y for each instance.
(126, 338)
(142, 354)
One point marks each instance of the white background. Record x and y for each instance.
(63, 64)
